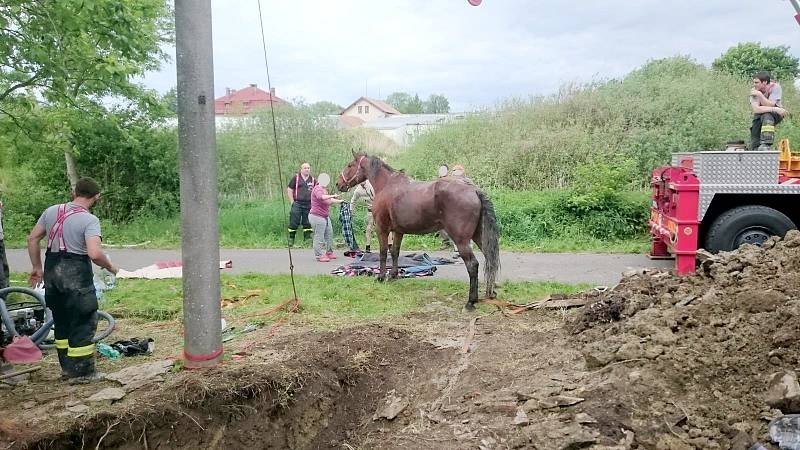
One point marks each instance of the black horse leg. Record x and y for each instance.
(471, 262)
(383, 241)
(398, 238)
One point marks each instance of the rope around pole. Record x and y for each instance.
(277, 152)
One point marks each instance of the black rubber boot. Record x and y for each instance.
(767, 132)
(67, 371)
(291, 238)
(84, 369)
(306, 235)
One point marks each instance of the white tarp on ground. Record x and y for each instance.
(166, 269)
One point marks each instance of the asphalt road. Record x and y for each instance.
(594, 268)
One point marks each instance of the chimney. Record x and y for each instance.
(227, 91)
(272, 91)
(253, 85)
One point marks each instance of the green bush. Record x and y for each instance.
(248, 160)
(636, 122)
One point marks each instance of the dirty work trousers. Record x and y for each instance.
(762, 132)
(298, 215)
(323, 234)
(3, 266)
(69, 293)
(3, 276)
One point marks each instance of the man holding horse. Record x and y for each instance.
(365, 192)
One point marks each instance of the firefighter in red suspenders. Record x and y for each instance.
(73, 243)
(299, 192)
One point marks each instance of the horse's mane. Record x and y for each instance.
(376, 164)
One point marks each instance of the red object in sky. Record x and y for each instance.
(474, 2)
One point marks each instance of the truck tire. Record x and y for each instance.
(749, 224)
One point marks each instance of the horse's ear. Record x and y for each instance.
(352, 150)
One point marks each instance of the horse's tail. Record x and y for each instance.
(490, 245)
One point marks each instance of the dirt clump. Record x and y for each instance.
(701, 361)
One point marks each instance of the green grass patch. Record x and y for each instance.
(542, 221)
(324, 299)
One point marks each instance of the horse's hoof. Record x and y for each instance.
(469, 307)
(381, 279)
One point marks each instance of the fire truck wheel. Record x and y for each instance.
(750, 224)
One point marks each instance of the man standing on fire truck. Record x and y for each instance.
(73, 243)
(766, 103)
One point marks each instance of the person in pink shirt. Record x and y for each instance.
(319, 218)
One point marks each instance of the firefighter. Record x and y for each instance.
(4, 273)
(766, 103)
(299, 192)
(73, 243)
(3, 260)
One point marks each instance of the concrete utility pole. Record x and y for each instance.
(198, 178)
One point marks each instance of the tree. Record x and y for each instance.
(747, 58)
(73, 53)
(324, 108)
(170, 101)
(437, 104)
(405, 103)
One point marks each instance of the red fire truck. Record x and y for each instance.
(719, 200)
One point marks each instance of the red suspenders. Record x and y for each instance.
(57, 231)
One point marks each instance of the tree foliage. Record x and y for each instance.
(747, 58)
(247, 154)
(65, 49)
(170, 102)
(411, 104)
(131, 156)
(632, 124)
(324, 108)
(69, 55)
(405, 103)
(436, 104)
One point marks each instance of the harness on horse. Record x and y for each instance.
(346, 180)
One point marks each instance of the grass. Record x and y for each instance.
(529, 221)
(325, 300)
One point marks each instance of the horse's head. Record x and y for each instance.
(354, 173)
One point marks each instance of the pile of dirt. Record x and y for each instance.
(702, 361)
(657, 362)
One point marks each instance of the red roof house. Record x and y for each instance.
(244, 101)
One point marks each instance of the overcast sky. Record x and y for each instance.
(338, 50)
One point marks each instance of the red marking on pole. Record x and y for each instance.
(478, 2)
(202, 358)
(796, 16)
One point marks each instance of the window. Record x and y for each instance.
(366, 109)
(360, 108)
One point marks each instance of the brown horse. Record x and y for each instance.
(404, 206)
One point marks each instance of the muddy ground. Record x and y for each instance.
(656, 362)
